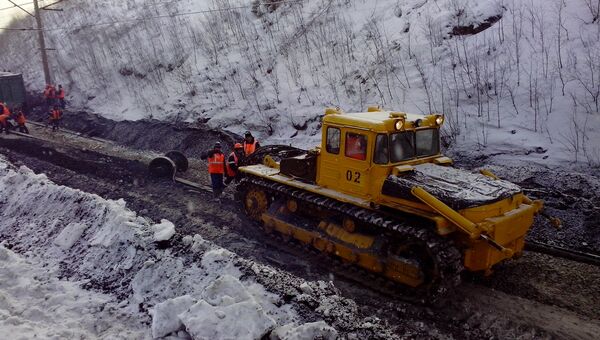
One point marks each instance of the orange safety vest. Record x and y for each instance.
(3, 119)
(61, 94)
(250, 148)
(6, 111)
(21, 119)
(215, 164)
(55, 115)
(230, 171)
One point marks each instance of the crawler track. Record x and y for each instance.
(447, 257)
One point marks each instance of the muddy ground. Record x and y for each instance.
(536, 296)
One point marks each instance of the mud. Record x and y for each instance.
(535, 296)
(190, 138)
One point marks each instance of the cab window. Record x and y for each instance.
(402, 146)
(381, 155)
(356, 146)
(333, 140)
(428, 142)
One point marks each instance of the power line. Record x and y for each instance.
(18, 29)
(15, 5)
(155, 17)
(21, 8)
(173, 15)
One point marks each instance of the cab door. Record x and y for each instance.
(355, 162)
(329, 168)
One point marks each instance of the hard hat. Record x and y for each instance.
(218, 145)
(237, 146)
(247, 133)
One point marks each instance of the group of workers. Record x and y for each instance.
(19, 118)
(223, 171)
(54, 97)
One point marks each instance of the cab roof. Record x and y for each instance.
(375, 121)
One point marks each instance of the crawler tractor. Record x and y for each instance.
(377, 193)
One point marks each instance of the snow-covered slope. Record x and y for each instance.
(62, 233)
(530, 80)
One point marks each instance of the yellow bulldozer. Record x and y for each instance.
(378, 193)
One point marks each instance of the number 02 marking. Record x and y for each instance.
(353, 177)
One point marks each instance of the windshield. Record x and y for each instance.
(402, 146)
(406, 145)
(428, 142)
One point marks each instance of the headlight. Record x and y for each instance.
(439, 120)
(399, 124)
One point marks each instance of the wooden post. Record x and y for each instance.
(42, 43)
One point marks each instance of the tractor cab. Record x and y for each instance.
(359, 150)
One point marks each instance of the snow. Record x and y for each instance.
(165, 315)
(69, 235)
(311, 330)
(35, 304)
(274, 72)
(119, 280)
(163, 231)
(242, 320)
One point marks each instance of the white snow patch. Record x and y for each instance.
(311, 330)
(163, 231)
(35, 304)
(69, 235)
(243, 320)
(225, 290)
(165, 319)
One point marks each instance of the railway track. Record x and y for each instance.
(556, 251)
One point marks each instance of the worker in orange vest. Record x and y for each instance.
(4, 115)
(216, 169)
(47, 98)
(233, 161)
(55, 117)
(61, 96)
(250, 143)
(21, 120)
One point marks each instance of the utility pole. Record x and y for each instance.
(42, 42)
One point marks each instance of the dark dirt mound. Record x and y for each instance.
(192, 139)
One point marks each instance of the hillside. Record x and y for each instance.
(517, 79)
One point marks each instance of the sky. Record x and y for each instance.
(6, 15)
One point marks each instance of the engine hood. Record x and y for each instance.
(458, 188)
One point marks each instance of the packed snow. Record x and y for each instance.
(88, 267)
(34, 303)
(528, 82)
(163, 231)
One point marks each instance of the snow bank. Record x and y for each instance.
(35, 304)
(108, 247)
